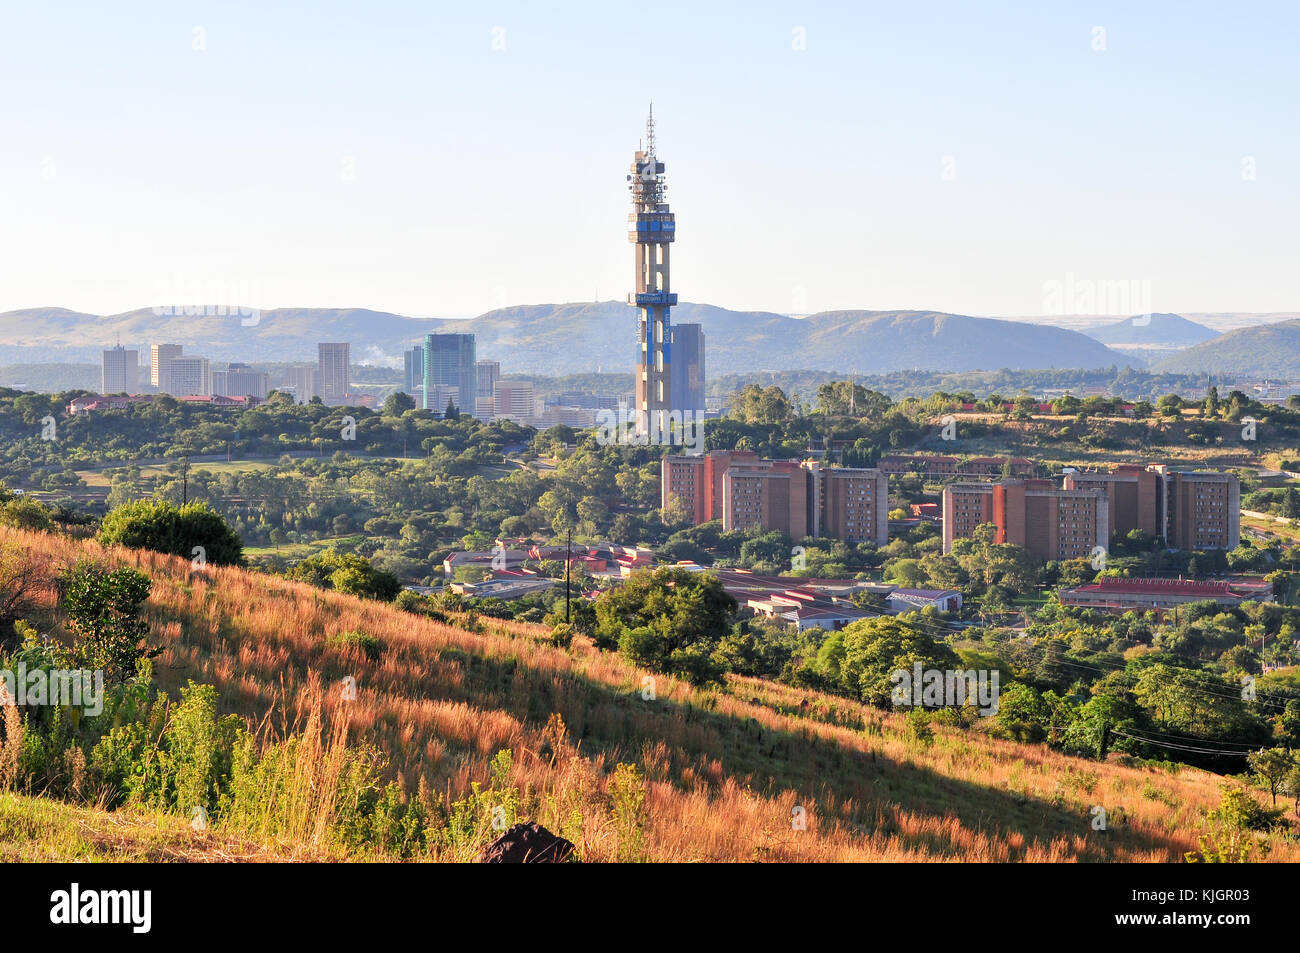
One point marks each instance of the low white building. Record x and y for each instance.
(912, 600)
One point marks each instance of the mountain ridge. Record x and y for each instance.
(573, 337)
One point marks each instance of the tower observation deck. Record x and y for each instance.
(652, 228)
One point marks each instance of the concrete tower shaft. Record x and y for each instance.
(652, 228)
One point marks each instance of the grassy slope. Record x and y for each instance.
(1131, 441)
(35, 830)
(725, 768)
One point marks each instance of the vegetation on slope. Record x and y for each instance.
(717, 773)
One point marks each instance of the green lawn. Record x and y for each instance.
(296, 550)
(96, 477)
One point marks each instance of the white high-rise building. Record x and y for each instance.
(119, 371)
(186, 376)
(159, 355)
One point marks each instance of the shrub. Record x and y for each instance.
(25, 514)
(562, 634)
(103, 608)
(166, 528)
(347, 573)
(22, 576)
(627, 807)
(371, 645)
(919, 731)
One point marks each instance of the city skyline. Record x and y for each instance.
(961, 164)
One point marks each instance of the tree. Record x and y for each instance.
(1022, 714)
(1272, 767)
(25, 514)
(22, 577)
(1292, 785)
(179, 531)
(562, 634)
(668, 621)
(1170, 405)
(758, 405)
(845, 398)
(347, 573)
(1291, 503)
(908, 573)
(103, 606)
(593, 515)
(398, 403)
(861, 658)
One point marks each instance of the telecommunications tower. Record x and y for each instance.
(652, 228)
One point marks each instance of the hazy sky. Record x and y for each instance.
(446, 158)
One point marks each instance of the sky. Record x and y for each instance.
(443, 159)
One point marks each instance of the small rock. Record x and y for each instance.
(527, 844)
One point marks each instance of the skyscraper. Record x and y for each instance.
(186, 376)
(119, 371)
(686, 373)
(449, 360)
(159, 355)
(487, 373)
(332, 371)
(240, 380)
(652, 228)
(414, 360)
(300, 380)
(514, 400)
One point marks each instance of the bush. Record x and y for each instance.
(103, 607)
(178, 531)
(371, 645)
(22, 576)
(562, 634)
(347, 573)
(25, 514)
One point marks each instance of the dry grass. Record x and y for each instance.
(40, 830)
(724, 769)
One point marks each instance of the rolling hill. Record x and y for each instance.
(572, 338)
(1271, 350)
(723, 769)
(1153, 330)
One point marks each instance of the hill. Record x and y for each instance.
(718, 773)
(1271, 350)
(573, 338)
(876, 342)
(1153, 330)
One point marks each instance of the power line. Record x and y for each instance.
(1173, 747)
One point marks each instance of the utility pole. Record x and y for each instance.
(568, 561)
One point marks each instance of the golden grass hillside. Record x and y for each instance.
(723, 769)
